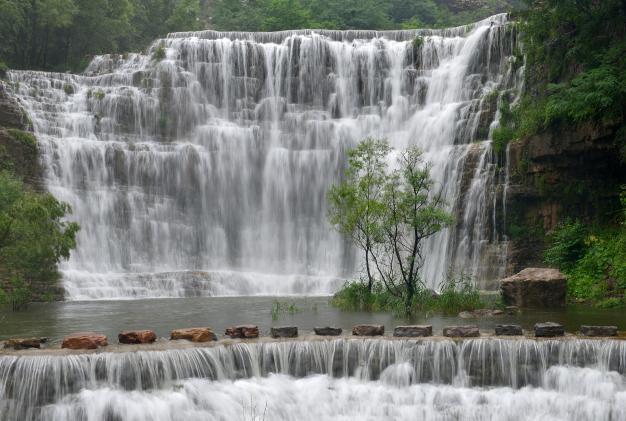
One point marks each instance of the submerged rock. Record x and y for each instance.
(598, 330)
(535, 287)
(243, 331)
(368, 330)
(136, 337)
(194, 334)
(284, 332)
(509, 330)
(24, 343)
(84, 340)
(328, 331)
(461, 331)
(413, 331)
(549, 330)
(481, 312)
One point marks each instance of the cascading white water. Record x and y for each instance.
(343, 379)
(201, 168)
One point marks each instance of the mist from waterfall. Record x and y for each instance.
(201, 167)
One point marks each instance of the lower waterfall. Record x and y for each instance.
(201, 166)
(341, 379)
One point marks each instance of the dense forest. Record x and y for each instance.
(64, 34)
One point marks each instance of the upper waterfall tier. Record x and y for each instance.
(202, 166)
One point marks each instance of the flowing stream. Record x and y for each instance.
(201, 167)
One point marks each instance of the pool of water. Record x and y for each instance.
(54, 320)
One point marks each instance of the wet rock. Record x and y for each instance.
(461, 331)
(136, 337)
(328, 331)
(481, 312)
(535, 287)
(284, 332)
(194, 334)
(24, 343)
(511, 310)
(509, 330)
(549, 330)
(368, 330)
(414, 331)
(243, 331)
(84, 340)
(598, 330)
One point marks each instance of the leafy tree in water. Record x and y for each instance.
(33, 238)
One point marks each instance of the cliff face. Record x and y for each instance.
(576, 173)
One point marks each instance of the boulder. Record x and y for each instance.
(548, 330)
(84, 340)
(481, 312)
(586, 330)
(194, 334)
(328, 331)
(461, 331)
(136, 337)
(414, 331)
(368, 330)
(535, 287)
(284, 332)
(24, 343)
(509, 330)
(243, 331)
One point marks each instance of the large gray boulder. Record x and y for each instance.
(535, 287)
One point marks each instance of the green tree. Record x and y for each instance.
(356, 205)
(34, 236)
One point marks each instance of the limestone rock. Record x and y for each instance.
(328, 331)
(84, 340)
(549, 330)
(194, 334)
(24, 343)
(598, 330)
(461, 331)
(413, 331)
(243, 331)
(284, 332)
(136, 337)
(368, 330)
(535, 287)
(509, 330)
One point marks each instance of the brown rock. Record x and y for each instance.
(549, 330)
(24, 343)
(243, 331)
(535, 287)
(137, 337)
(461, 331)
(598, 330)
(194, 334)
(368, 330)
(328, 331)
(84, 340)
(509, 330)
(284, 332)
(413, 331)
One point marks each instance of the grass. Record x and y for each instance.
(281, 308)
(26, 138)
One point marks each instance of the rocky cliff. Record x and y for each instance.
(575, 173)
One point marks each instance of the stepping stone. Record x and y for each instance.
(194, 334)
(243, 331)
(328, 331)
(461, 331)
(24, 343)
(284, 332)
(509, 330)
(586, 330)
(414, 331)
(368, 330)
(132, 337)
(549, 330)
(84, 340)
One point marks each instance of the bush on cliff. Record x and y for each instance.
(34, 237)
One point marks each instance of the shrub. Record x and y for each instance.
(3, 69)
(26, 138)
(159, 53)
(567, 245)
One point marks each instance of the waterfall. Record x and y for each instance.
(201, 167)
(586, 377)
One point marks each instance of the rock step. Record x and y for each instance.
(328, 331)
(595, 331)
(461, 331)
(509, 330)
(368, 330)
(243, 332)
(84, 340)
(284, 332)
(194, 334)
(549, 330)
(132, 337)
(414, 331)
(24, 343)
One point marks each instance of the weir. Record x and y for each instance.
(583, 374)
(201, 167)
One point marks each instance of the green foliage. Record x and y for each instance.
(68, 89)
(159, 53)
(25, 137)
(34, 237)
(3, 69)
(568, 245)
(457, 294)
(279, 308)
(99, 95)
(19, 294)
